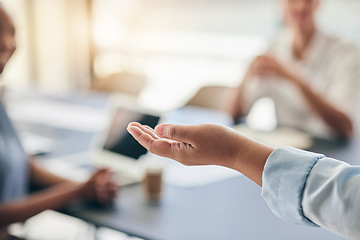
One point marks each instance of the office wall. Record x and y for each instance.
(175, 44)
(185, 44)
(53, 49)
(18, 72)
(61, 44)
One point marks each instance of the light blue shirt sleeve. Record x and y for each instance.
(284, 178)
(311, 189)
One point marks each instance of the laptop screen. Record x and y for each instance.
(119, 141)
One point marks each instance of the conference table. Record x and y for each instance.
(228, 209)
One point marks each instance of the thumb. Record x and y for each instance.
(179, 133)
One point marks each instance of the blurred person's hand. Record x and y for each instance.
(7, 39)
(100, 187)
(267, 66)
(204, 144)
(264, 67)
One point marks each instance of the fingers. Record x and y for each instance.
(105, 187)
(145, 129)
(106, 192)
(166, 148)
(179, 133)
(98, 173)
(266, 60)
(143, 135)
(264, 66)
(173, 144)
(149, 131)
(146, 138)
(174, 132)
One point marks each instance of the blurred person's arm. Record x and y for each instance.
(237, 106)
(332, 115)
(59, 193)
(299, 186)
(101, 179)
(41, 178)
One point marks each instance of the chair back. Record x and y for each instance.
(213, 97)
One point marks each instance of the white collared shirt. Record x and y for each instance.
(331, 67)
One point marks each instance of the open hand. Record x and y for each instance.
(204, 144)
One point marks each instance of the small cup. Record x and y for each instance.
(153, 183)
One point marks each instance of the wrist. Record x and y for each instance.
(297, 80)
(68, 191)
(75, 189)
(251, 159)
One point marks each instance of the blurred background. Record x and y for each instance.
(163, 50)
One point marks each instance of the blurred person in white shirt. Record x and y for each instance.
(312, 77)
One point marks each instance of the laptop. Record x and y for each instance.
(114, 148)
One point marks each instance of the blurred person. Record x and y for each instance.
(312, 77)
(18, 172)
(299, 186)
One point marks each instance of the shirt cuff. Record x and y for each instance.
(283, 182)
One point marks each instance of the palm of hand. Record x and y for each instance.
(205, 144)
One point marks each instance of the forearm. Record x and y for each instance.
(52, 198)
(333, 117)
(237, 152)
(237, 104)
(40, 177)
